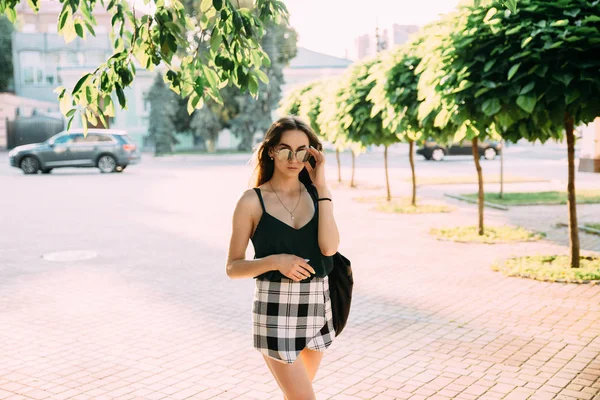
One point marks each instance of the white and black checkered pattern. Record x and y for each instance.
(288, 316)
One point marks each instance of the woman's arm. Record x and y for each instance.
(329, 236)
(242, 228)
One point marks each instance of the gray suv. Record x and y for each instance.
(109, 150)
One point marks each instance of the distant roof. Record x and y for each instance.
(306, 58)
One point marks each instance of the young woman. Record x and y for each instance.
(289, 218)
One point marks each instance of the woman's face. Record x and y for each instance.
(290, 153)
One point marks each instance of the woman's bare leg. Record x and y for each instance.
(293, 379)
(312, 360)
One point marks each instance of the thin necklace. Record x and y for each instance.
(299, 196)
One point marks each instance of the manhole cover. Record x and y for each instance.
(71, 255)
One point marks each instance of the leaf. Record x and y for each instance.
(528, 88)
(80, 83)
(482, 91)
(253, 86)
(120, 95)
(489, 65)
(564, 78)
(527, 103)
(262, 76)
(88, 94)
(90, 28)
(84, 124)
(572, 13)
(70, 113)
(205, 5)
(66, 102)
(561, 22)
(513, 70)
(211, 77)
(109, 107)
(591, 18)
(79, 29)
(63, 20)
(218, 4)
(461, 133)
(491, 107)
(490, 14)
(511, 5)
(526, 41)
(215, 41)
(572, 96)
(514, 30)
(505, 119)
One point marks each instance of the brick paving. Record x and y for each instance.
(155, 317)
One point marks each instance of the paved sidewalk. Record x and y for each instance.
(155, 317)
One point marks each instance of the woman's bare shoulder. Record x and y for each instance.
(249, 202)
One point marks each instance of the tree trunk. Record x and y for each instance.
(387, 178)
(352, 184)
(480, 183)
(501, 169)
(411, 157)
(211, 146)
(337, 157)
(573, 229)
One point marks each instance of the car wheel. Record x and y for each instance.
(428, 158)
(489, 153)
(107, 164)
(438, 154)
(121, 168)
(46, 170)
(30, 165)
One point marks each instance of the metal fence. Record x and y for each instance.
(34, 129)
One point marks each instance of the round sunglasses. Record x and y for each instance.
(285, 154)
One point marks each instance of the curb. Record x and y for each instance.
(584, 228)
(487, 203)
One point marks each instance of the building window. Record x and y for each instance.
(31, 67)
(71, 59)
(50, 68)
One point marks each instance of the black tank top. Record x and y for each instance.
(272, 236)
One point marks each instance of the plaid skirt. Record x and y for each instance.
(288, 316)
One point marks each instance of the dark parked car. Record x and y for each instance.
(431, 150)
(107, 149)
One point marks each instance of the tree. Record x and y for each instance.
(395, 96)
(532, 73)
(6, 72)
(446, 94)
(161, 129)
(347, 115)
(220, 46)
(206, 124)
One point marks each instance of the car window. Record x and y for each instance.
(104, 138)
(91, 139)
(77, 137)
(62, 139)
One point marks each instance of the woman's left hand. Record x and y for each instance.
(317, 174)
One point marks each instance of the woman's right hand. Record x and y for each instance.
(293, 267)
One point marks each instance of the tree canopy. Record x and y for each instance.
(202, 52)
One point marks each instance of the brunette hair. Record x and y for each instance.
(265, 166)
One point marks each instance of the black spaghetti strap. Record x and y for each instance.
(262, 203)
(313, 194)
